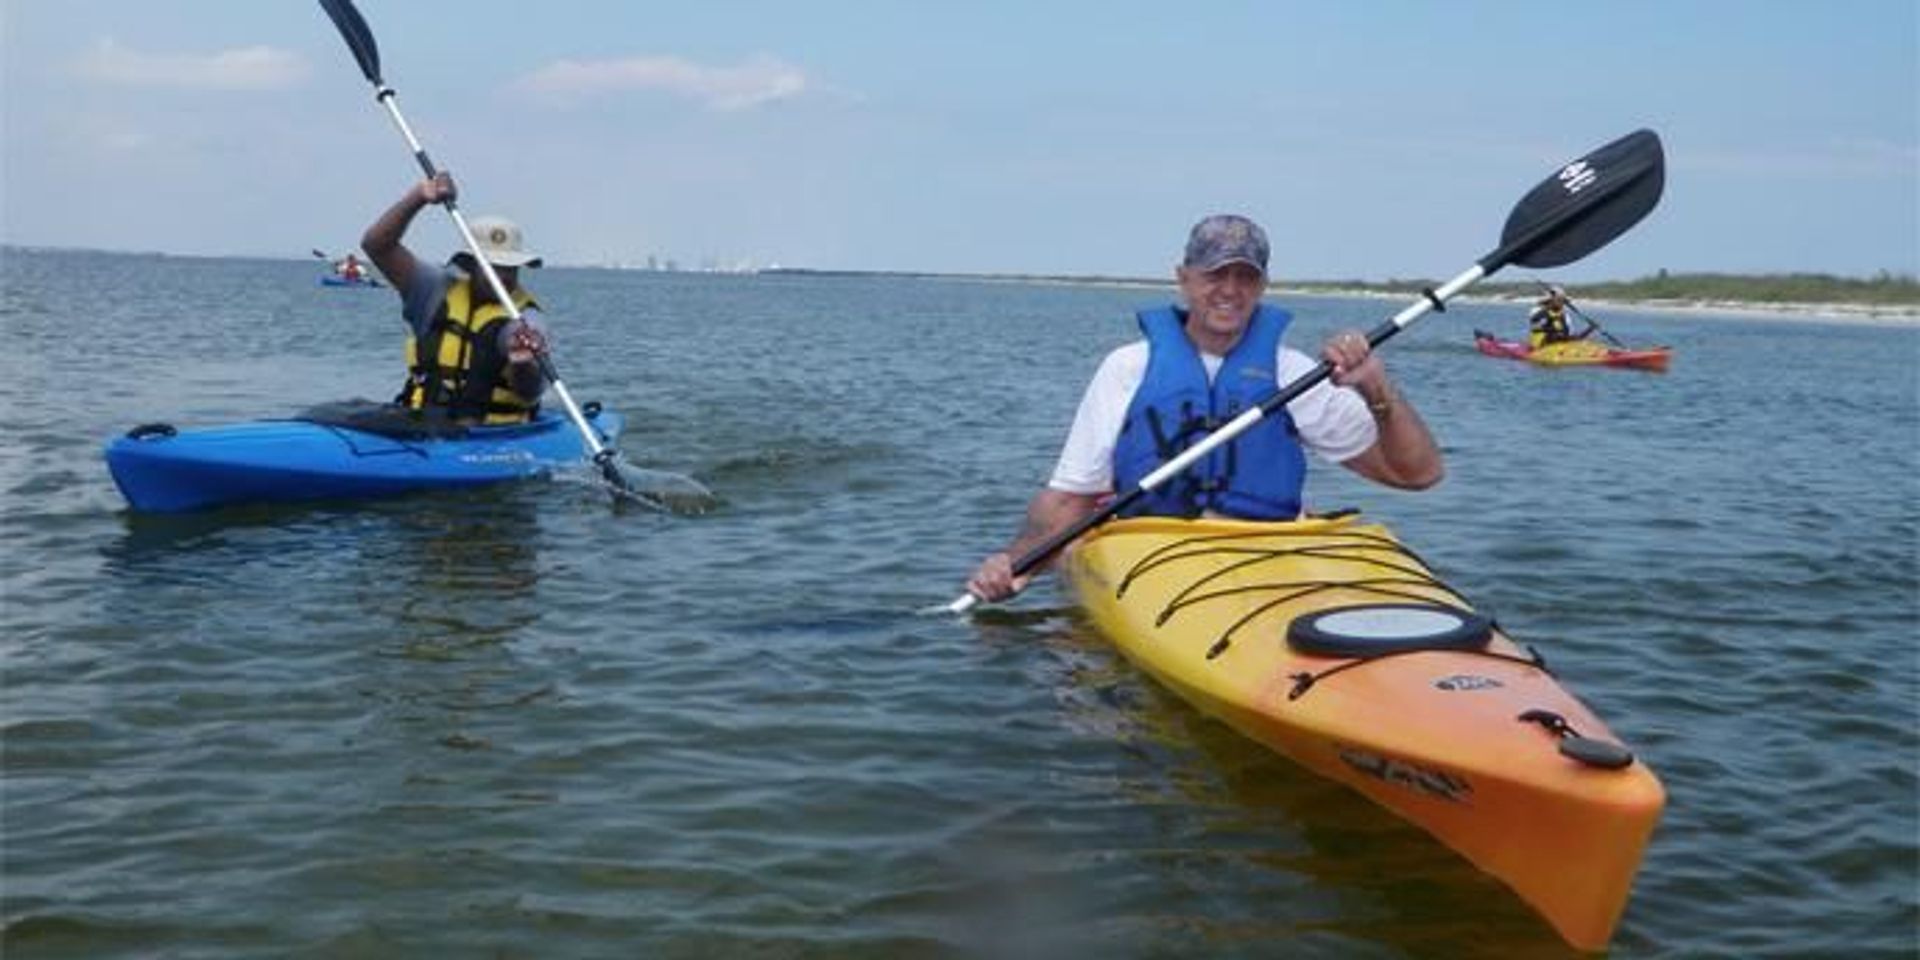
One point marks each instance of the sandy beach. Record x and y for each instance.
(1898, 315)
(1849, 313)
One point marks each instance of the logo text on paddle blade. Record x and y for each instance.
(1577, 176)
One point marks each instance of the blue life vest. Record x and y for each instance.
(1259, 475)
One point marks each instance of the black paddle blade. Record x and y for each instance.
(1585, 205)
(353, 29)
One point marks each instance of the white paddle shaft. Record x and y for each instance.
(387, 97)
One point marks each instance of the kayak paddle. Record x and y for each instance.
(664, 491)
(1582, 207)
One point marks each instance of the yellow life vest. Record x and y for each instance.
(467, 372)
(1549, 326)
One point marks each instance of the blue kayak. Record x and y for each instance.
(373, 450)
(336, 280)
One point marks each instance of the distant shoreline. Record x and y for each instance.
(1869, 314)
(1852, 313)
(1889, 315)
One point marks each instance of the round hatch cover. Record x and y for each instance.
(1373, 629)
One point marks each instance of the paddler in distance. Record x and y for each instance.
(349, 268)
(1198, 367)
(1548, 321)
(466, 355)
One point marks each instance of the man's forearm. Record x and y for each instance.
(1050, 512)
(383, 237)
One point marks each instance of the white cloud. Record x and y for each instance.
(244, 68)
(757, 81)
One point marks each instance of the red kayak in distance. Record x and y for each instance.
(1574, 353)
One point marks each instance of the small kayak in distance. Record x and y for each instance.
(161, 469)
(336, 280)
(1574, 353)
(1328, 642)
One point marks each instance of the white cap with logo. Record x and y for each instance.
(501, 243)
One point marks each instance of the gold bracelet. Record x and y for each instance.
(1381, 407)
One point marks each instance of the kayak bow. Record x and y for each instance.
(1330, 643)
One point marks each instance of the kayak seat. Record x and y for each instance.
(1377, 629)
(386, 420)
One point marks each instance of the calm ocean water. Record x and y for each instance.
(517, 723)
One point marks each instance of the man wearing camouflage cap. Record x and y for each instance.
(1200, 365)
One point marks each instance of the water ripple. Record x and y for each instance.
(521, 722)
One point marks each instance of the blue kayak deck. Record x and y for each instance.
(288, 460)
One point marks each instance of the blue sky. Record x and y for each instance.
(1373, 139)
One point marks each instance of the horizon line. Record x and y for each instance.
(1880, 274)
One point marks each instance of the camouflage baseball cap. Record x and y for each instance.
(1226, 238)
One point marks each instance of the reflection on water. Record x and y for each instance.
(1233, 816)
(460, 575)
(445, 571)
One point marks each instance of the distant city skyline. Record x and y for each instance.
(1374, 140)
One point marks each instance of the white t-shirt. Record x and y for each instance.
(1334, 422)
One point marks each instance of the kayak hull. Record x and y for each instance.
(1575, 353)
(1433, 735)
(265, 461)
(335, 280)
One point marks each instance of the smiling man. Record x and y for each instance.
(1199, 366)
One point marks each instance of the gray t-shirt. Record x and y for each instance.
(421, 303)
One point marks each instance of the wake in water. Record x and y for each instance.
(656, 490)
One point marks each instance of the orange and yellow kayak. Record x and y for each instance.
(1329, 642)
(1575, 353)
